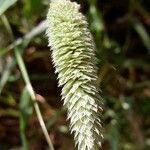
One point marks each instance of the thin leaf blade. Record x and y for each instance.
(5, 4)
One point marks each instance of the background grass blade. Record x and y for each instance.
(5, 4)
(32, 95)
(6, 73)
(26, 110)
(20, 62)
(139, 28)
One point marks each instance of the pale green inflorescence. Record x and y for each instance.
(73, 54)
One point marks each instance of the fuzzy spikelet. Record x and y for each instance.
(74, 59)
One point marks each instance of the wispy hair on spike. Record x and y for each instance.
(73, 55)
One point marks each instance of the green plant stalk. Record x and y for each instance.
(22, 133)
(73, 54)
(28, 83)
(23, 42)
(33, 97)
(9, 65)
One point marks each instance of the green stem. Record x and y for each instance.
(27, 82)
(33, 97)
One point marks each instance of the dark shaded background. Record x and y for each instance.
(121, 33)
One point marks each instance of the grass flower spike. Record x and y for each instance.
(73, 54)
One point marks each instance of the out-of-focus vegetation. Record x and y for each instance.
(121, 33)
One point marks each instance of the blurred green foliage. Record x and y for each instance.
(121, 33)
